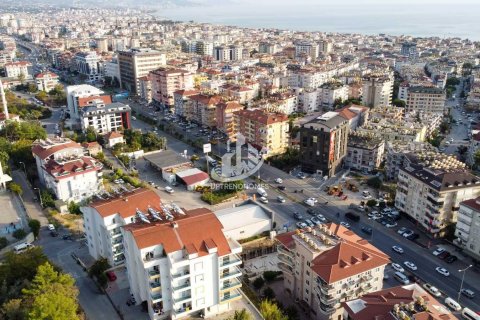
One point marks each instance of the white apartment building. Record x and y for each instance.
(308, 100)
(364, 153)
(377, 91)
(426, 99)
(228, 53)
(15, 69)
(308, 48)
(104, 118)
(46, 81)
(328, 264)
(325, 46)
(331, 92)
(64, 169)
(468, 227)
(431, 194)
(88, 64)
(204, 48)
(111, 69)
(75, 93)
(179, 262)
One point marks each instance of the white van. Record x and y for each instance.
(452, 304)
(262, 192)
(469, 314)
(402, 278)
(22, 247)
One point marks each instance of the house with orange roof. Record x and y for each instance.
(327, 264)
(179, 261)
(46, 81)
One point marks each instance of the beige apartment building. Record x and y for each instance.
(431, 192)
(377, 91)
(165, 81)
(426, 99)
(226, 117)
(137, 63)
(265, 131)
(327, 265)
(468, 227)
(202, 109)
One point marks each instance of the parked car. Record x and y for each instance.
(410, 265)
(367, 230)
(397, 249)
(407, 233)
(51, 227)
(278, 180)
(438, 251)
(263, 200)
(413, 237)
(433, 290)
(402, 230)
(316, 220)
(391, 225)
(301, 225)
(111, 275)
(442, 271)
(345, 224)
(468, 293)
(397, 267)
(309, 223)
(297, 216)
(451, 259)
(444, 255)
(281, 188)
(280, 199)
(169, 189)
(54, 233)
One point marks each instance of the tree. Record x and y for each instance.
(372, 203)
(270, 311)
(374, 182)
(268, 293)
(3, 242)
(241, 315)
(15, 188)
(291, 312)
(53, 295)
(32, 88)
(34, 227)
(398, 103)
(19, 234)
(194, 158)
(270, 276)
(462, 150)
(47, 199)
(90, 134)
(21, 77)
(258, 282)
(13, 309)
(99, 267)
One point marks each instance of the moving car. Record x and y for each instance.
(169, 189)
(51, 227)
(433, 290)
(468, 293)
(410, 265)
(397, 249)
(367, 230)
(397, 267)
(352, 216)
(278, 180)
(345, 224)
(442, 271)
(280, 199)
(263, 200)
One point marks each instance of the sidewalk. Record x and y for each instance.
(33, 208)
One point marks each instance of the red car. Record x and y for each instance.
(111, 276)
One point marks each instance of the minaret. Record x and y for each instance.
(4, 101)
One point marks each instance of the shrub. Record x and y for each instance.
(19, 234)
(3, 242)
(34, 227)
(374, 182)
(258, 283)
(270, 276)
(268, 293)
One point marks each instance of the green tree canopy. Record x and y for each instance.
(270, 311)
(34, 225)
(398, 103)
(241, 315)
(15, 188)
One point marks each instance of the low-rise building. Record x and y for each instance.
(113, 138)
(364, 153)
(104, 118)
(327, 264)
(63, 168)
(17, 68)
(46, 81)
(467, 229)
(431, 192)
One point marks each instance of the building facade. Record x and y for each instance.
(377, 91)
(165, 81)
(46, 81)
(364, 153)
(323, 144)
(104, 118)
(467, 229)
(426, 99)
(17, 68)
(88, 64)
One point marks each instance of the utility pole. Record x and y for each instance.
(463, 278)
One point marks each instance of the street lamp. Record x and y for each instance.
(24, 169)
(40, 195)
(463, 278)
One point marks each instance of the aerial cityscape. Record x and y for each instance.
(188, 159)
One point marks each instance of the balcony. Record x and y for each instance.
(282, 250)
(285, 267)
(233, 260)
(182, 286)
(156, 296)
(286, 259)
(182, 299)
(180, 311)
(181, 274)
(115, 234)
(230, 296)
(154, 285)
(116, 241)
(233, 273)
(229, 285)
(151, 256)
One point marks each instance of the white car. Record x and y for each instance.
(397, 267)
(169, 189)
(314, 200)
(345, 224)
(410, 265)
(367, 197)
(433, 290)
(397, 249)
(278, 180)
(442, 271)
(51, 227)
(438, 251)
(263, 200)
(281, 199)
(301, 225)
(391, 225)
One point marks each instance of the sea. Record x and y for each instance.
(420, 18)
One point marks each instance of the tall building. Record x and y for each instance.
(308, 48)
(265, 131)
(377, 91)
(431, 192)
(105, 117)
(228, 53)
(426, 100)
(180, 263)
(165, 81)
(204, 48)
(88, 64)
(17, 68)
(226, 117)
(467, 229)
(102, 44)
(323, 144)
(364, 152)
(325, 46)
(328, 264)
(409, 49)
(77, 93)
(63, 168)
(137, 63)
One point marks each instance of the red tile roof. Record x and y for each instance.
(44, 74)
(113, 135)
(127, 204)
(206, 100)
(472, 203)
(81, 166)
(262, 117)
(83, 102)
(197, 231)
(186, 93)
(18, 63)
(44, 153)
(195, 178)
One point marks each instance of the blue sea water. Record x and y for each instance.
(416, 18)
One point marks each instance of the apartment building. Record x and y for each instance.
(88, 64)
(79, 95)
(399, 154)
(63, 168)
(323, 144)
(356, 115)
(409, 49)
(226, 116)
(112, 70)
(145, 89)
(426, 100)
(46, 81)
(431, 192)
(105, 117)
(467, 229)
(180, 263)
(268, 47)
(228, 53)
(308, 48)
(325, 46)
(165, 81)
(332, 92)
(17, 68)
(242, 94)
(204, 48)
(377, 91)
(328, 264)
(266, 131)
(364, 153)
(202, 109)
(180, 99)
(397, 303)
(136, 63)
